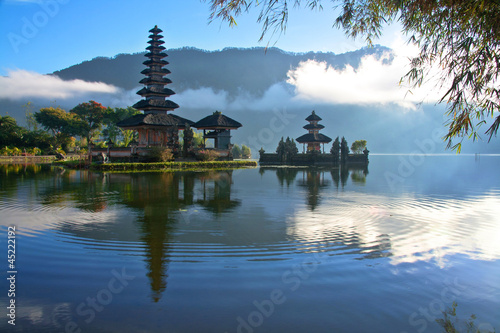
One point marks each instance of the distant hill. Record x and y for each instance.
(231, 69)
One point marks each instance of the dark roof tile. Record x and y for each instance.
(155, 119)
(313, 137)
(217, 120)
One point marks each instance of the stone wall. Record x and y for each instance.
(309, 159)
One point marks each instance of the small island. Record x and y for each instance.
(313, 151)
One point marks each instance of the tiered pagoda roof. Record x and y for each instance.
(313, 128)
(154, 92)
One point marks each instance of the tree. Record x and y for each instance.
(335, 151)
(460, 37)
(358, 146)
(10, 133)
(55, 120)
(280, 150)
(344, 150)
(30, 117)
(291, 148)
(236, 151)
(112, 131)
(246, 152)
(93, 116)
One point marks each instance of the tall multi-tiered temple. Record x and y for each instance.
(313, 139)
(156, 127)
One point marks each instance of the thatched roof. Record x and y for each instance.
(153, 47)
(155, 104)
(155, 37)
(151, 62)
(155, 91)
(313, 137)
(312, 127)
(150, 71)
(153, 55)
(150, 81)
(155, 119)
(217, 121)
(313, 117)
(154, 42)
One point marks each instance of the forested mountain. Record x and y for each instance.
(231, 69)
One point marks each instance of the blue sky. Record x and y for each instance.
(44, 36)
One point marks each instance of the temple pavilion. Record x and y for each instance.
(219, 127)
(156, 127)
(313, 138)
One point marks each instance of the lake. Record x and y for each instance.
(381, 249)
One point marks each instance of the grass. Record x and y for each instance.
(160, 166)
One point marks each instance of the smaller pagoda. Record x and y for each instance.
(313, 138)
(219, 127)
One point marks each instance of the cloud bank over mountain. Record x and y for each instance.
(270, 92)
(21, 84)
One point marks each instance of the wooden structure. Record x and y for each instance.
(220, 127)
(313, 139)
(155, 126)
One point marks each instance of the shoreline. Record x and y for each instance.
(159, 166)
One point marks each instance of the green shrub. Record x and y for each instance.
(160, 154)
(207, 155)
(172, 165)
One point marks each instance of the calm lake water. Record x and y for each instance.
(384, 249)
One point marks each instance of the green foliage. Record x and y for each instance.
(160, 154)
(30, 117)
(451, 324)
(198, 140)
(13, 135)
(111, 131)
(6, 151)
(344, 150)
(236, 151)
(10, 133)
(57, 121)
(92, 116)
(246, 152)
(335, 150)
(461, 38)
(172, 165)
(207, 155)
(61, 151)
(286, 150)
(38, 138)
(358, 146)
(128, 137)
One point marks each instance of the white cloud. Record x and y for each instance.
(21, 84)
(375, 81)
(202, 98)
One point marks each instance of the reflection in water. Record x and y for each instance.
(203, 244)
(217, 192)
(157, 198)
(313, 179)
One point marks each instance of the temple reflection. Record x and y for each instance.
(155, 200)
(315, 180)
(217, 192)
